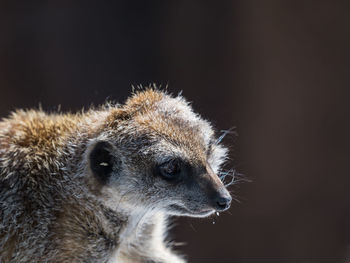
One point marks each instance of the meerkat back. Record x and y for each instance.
(99, 186)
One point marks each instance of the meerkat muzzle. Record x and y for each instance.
(222, 201)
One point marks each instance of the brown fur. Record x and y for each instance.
(52, 208)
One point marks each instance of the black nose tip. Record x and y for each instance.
(223, 203)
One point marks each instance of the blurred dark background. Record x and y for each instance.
(276, 70)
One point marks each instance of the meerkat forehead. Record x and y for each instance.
(168, 119)
(157, 113)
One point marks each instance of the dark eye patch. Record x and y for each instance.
(170, 169)
(173, 170)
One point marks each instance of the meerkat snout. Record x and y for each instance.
(218, 197)
(222, 201)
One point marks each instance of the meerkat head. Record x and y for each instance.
(156, 153)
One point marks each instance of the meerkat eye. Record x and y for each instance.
(170, 169)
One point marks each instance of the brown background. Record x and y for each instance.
(277, 70)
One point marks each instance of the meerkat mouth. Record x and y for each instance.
(185, 211)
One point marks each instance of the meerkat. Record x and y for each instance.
(98, 186)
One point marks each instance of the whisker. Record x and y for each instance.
(193, 227)
(236, 199)
(236, 177)
(225, 132)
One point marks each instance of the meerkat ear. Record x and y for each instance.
(102, 162)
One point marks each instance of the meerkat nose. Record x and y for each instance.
(222, 202)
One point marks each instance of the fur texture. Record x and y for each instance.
(99, 186)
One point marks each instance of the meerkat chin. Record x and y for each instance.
(99, 186)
